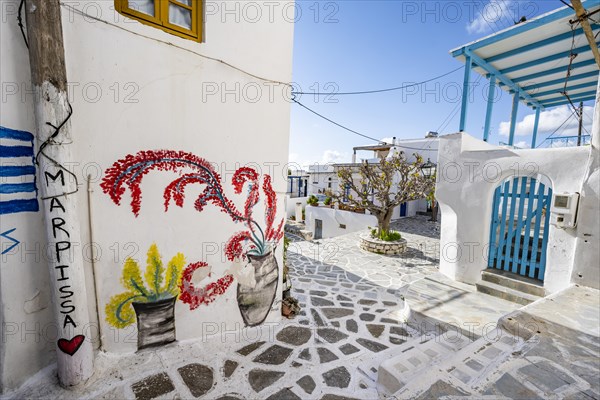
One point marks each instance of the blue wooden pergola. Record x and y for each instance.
(531, 61)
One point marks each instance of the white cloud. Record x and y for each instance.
(328, 157)
(549, 121)
(493, 16)
(333, 156)
(522, 145)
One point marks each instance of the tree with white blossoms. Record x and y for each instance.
(381, 187)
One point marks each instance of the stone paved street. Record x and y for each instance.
(349, 341)
(330, 351)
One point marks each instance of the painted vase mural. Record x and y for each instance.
(255, 244)
(151, 304)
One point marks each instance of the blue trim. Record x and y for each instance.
(528, 219)
(502, 78)
(513, 118)
(573, 97)
(556, 70)
(542, 270)
(490, 107)
(7, 133)
(535, 127)
(537, 45)
(519, 232)
(465, 94)
(22, 170)
(16, 151)
(525, 27)
(16, 206)
(562, 103)
(543, 60)
(511, 224)
(494, 227)
(9, 188)
(559, 81)
(574, 87)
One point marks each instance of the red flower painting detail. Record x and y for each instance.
(195, 297)
(254, 240)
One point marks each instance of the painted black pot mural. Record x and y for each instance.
(155, 322)
(151, 303)
(255, 301)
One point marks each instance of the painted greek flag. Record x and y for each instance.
(18, 191)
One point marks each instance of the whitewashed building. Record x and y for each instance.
(175, 95)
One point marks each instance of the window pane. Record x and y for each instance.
(180, 16)
(143, 6)
(186, 2)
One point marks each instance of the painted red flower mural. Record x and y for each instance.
(253, 241)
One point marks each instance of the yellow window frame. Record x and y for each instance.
(160, 19)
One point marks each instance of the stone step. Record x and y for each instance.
(507, 279)
(506, 293)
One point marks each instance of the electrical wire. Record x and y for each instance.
(556, 130)
(380, 90)
(20, 22)
(83, 14)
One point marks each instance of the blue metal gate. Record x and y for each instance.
(520, 223)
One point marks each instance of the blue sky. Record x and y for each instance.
(354, 45)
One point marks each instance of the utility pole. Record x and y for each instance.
(580, 123)
(58, 187)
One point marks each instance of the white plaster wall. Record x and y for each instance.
(468, 174)
(332, 219)
(132, 93)
(290, 204)
(586, 267)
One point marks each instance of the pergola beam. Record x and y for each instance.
(585, 24)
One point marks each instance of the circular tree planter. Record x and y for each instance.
(378, 246)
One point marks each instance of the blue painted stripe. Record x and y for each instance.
(16, 206)
(543, 60)
(561, 81)
(6, 133)
(9, 188)
(16, 151)
(21, 170)
(563, 12)
(556, 70)
(537, 45)
(572, 96)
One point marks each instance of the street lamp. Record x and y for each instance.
(428, 170)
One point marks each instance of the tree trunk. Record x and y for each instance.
(383, 220)
(74, 352)
(434, 211)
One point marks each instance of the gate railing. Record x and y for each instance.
(519, 231)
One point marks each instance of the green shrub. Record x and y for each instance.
(312, 200)
(389, 236)
(327, 201)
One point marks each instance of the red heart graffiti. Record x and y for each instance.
(70, 347)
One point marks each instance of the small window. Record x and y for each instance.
(178, 17)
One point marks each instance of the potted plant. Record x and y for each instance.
(312, 200)
(327, 201)
(287, 281)
(151, 304)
